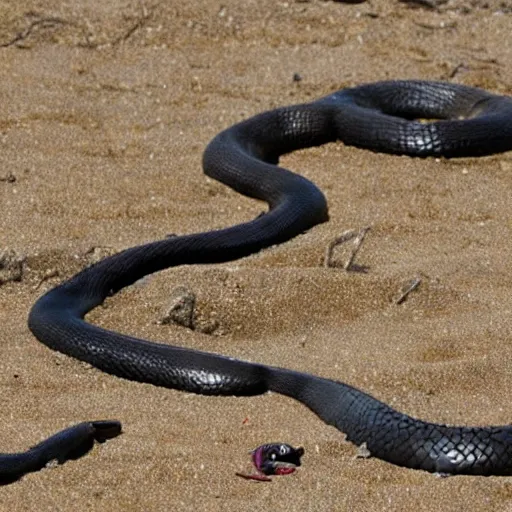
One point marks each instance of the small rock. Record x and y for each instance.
(11, 266)
(363, 452)
(180, 309)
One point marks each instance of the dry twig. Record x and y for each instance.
(407, 289)
(44, 23)
(358, 237)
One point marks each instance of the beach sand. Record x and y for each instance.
(106, 108)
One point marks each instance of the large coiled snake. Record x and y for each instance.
(382, 117)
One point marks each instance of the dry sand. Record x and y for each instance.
(106, 108)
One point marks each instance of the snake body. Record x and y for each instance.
(381, 117)
(68, 444)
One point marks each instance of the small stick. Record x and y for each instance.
(50, 22)
(411, 286)
(352, 234)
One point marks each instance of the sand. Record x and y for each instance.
(106, 108)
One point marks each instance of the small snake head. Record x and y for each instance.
(277, 458)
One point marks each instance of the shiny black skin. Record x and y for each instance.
(377, 116)
(69, 444)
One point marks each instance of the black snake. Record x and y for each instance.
(384, 117)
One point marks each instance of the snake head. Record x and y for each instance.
(276, 458)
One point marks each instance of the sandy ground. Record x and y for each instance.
(106, 108)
